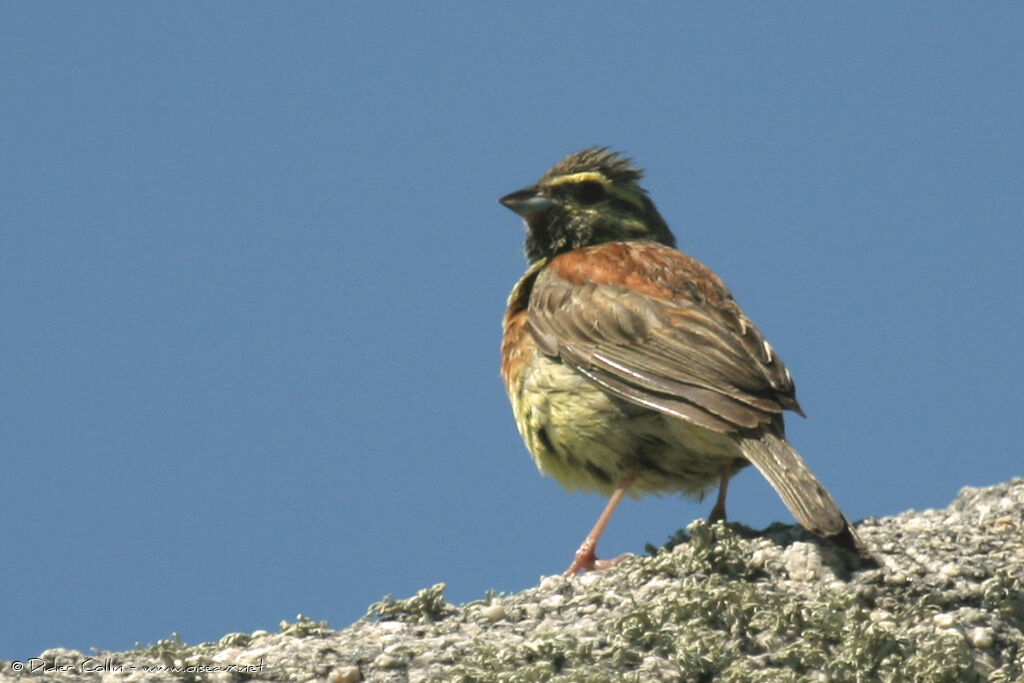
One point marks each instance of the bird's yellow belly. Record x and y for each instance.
(589, 440)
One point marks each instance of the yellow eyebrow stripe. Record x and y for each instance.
(597, 177)
(581, 177)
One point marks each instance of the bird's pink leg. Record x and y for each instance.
(585, 558)
(718, 512)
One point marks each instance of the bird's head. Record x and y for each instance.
(587, 198)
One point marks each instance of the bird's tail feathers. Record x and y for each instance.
(805, 496)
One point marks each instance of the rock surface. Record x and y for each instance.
(721, 604)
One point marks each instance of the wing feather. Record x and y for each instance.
(656, 328)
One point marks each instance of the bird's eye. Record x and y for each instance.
(589, 192)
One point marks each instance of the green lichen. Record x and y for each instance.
(234, 640)
(304, 626)
(713, 548)
(168, 650)
(426, 606)
(720, 620)
(1004, 593)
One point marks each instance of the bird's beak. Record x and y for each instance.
(527, 201)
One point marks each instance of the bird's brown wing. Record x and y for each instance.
(657, 328)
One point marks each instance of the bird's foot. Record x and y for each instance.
(717, 514)
(586, 560)
(608, 564)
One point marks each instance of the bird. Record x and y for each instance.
(629, 366)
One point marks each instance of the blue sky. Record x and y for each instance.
(253, 270)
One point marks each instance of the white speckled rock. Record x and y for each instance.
(945, 605)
